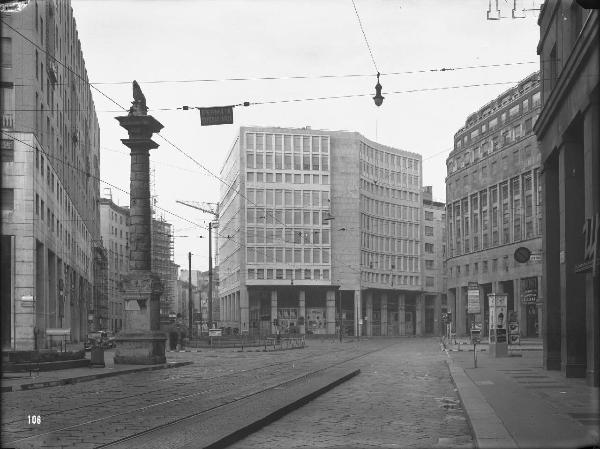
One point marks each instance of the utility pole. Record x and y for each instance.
(210, 275)
(190, 300)
(213, 209)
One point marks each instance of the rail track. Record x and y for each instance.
(224, 394)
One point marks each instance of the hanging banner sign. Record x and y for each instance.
(219, 115)
(473, 298)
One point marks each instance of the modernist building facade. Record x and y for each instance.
(435, 301)
(50, 177)
(114, 226)
(318, 229)
(569, 137)
(493, 208)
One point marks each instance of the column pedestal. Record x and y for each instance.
(136, 344)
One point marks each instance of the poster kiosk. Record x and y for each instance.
(498, 303)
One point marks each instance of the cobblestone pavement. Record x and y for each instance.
(101, 411)
(403, 398)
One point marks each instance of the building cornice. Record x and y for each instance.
(585, 44)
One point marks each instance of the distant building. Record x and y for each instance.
(433, 266)
(326, 226)
(164, 266)
(114, 225)
(568, 131)
(50, 149)
(493, 208)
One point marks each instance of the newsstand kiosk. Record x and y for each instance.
(498, 303)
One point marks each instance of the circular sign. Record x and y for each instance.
(522, 254)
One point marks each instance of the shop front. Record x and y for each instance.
(529, 299)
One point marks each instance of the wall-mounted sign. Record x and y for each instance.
(522, 254)
(591, 231)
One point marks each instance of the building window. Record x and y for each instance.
(429, 248)
(6, 60)
(428, 215)
(429, 264)
(429, 281)
(8, 199)
(8, 150)
(429, 230)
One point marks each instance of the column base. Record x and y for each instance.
(552, 361)
(498, 350)
(574, 370)
(140, 348)
(592, 378)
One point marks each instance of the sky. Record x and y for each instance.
(184, 52)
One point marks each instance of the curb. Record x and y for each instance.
(75, 380)
(487, 428)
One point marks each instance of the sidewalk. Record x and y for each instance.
(513, 402)
(23, 381)
(464, 344)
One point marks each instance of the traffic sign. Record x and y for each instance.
(219, 115)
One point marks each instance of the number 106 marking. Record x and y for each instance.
(34, 419)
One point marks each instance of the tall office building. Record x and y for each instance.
(318, 228)
(493, 208)
(50, 176)
(435, 301)
(569, 137)
(114, 220)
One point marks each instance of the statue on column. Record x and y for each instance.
(138, 106)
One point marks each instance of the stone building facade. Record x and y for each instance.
(114, 225)
(435, 301)
(569, 138)
(493, 208)
(50, 176)
(324, 228)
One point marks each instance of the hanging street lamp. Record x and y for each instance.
(378, 98)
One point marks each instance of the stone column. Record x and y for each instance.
(401, 314)
(273, 310)
(369, 314)
(517, 302)
(244, 309)
(330, 304)
(437, 315)
(452, 306)
(357, 313)
(591, 145)
(419, 314)
(140, 341)
(302, 310)
(540, 307)
(572, 289)
(461, 314)
(384, 314)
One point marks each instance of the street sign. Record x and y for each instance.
(522, 254)
(535, 258)
(219, 115)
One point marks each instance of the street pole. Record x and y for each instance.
(210, 275)
(190, 300)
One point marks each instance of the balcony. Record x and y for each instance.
(8, 120)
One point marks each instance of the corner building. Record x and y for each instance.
(493, 207)
(569, 137)
(50, 177)
(319, 228)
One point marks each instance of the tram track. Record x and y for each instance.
(173, 401)
(156, 390)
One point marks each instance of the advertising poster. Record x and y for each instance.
(473, 298)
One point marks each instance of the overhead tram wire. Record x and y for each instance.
(312, 77)
(190, 157)
(365, 36)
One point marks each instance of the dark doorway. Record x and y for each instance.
(6, 288)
